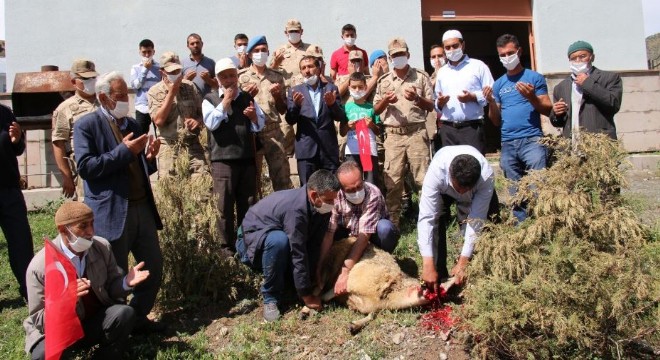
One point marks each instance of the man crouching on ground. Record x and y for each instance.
(285, 230)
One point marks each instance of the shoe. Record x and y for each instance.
(271, 312)
(144, 325)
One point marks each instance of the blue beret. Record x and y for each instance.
(375, 55)
(257, 40)
(580, 45)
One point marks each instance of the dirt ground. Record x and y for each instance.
(240, 333)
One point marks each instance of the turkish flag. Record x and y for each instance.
(62, 326)
(364, 144)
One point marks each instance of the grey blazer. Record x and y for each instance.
(602, 92)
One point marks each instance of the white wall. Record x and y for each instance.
(55, 32)
(615, 29)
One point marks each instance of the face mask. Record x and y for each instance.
(350, 41)
(355, 198)
(88, 86)
(579, 67)
(356, 68)
(81, 244)
(399, 62)
(434, 62)
(454, 55)
(311, 81)
(260, 58)
(173, 78)
(121, 109)
(241, 49)
(510, 62)
(359, 94)
(294, 38)
(325, 208)
(146, 59)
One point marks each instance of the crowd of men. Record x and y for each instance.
(289, 108)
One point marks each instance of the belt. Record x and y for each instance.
(405, 130)
(462, 124)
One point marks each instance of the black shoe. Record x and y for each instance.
(144, 325)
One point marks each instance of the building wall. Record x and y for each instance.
(614, 28)
(55, 32)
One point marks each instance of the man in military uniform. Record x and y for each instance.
(175, 105)
(83, 77)
(403, 99)
(266, 86)
(286, 60)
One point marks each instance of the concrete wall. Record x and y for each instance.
(638, 120)
(108, 32)
(614, 28)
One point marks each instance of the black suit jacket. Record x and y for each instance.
(601, 93)
(316, 132)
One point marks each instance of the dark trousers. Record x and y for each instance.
(109, 327)
(375, 176)
(144, 120)
(15, 227)
(306, 167)
(472, 134)
(140, 237)
(235, 183)
(440, 250)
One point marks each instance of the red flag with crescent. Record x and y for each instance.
(364, 144)
(62, 326)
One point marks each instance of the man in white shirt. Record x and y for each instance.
(144, 75)
(459, 96)
(457, 174)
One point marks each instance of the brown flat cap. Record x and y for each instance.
(72, 212)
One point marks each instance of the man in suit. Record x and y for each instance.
(314, 106)
(596, 93)
(110, 154)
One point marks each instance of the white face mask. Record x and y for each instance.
(357, 95)
(120, 111)
(173, 77)
(399, 62)
(259, 58)
(294, 38)
(88, 86)
(146, 59)
(579, 67)
(349, 41)
(241, 49)
(81, 244)
(311, 81)
(510, 62)
(437, 62)
(355, 198)
(454, 55)
(325, 208)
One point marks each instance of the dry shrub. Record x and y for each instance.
(580, 278)
(194, 268)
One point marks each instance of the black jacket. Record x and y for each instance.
(8, 152)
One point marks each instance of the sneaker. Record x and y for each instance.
(143, 325)
(271, 312)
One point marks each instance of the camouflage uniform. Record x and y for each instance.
(271, 137)
(187, 104)
(289, 68)
(68, 112)
(405, 128)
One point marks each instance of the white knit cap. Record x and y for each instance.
(452, 34)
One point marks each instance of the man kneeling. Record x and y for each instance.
(285, 229)
(101, 285)
(359, 211)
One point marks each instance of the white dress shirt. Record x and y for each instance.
(474, 202)
(215, 115)
(470, 75)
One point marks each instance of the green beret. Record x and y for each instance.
(580, 45)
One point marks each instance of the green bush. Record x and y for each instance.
(194, 268)
(579, 278)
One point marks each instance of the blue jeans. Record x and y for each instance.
(518, 157)
(273, 260)
(386, 236)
